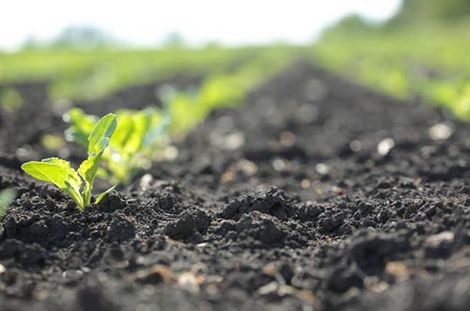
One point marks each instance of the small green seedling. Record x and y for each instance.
(6, 197)
(133, 144)
(188, 108)
(77, 184)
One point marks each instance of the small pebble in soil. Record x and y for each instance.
(385, 146)
(145, 182)
(154, 275)
(280, 164)
(189, 282)
(397, 270)
(170, 153)
(355, 146)
(248, 168)
(322, 168)
(72, 277)
(305, 184)
(287, 139)
(439, 245)
(440, 131)
(234, 141)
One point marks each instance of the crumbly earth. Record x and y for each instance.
(317, 194)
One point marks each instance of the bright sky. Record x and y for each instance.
(147, 22)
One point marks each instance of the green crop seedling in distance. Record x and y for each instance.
(77, 184)
(6, 197)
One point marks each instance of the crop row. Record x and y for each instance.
(84, 75)
(428, 61)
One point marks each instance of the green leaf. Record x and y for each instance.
(87, 171)
(157, 131)
(72, 177)
(81, 126)
(141, 123)
(53, 170)
(101, 134)
(6, 197)
(123, 130)
(57, 172)
(97, 143)
(74, 192)
(103, 194)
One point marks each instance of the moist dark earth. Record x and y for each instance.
(316, 194)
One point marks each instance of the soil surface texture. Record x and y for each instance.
(316, 194)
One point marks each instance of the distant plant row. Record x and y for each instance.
(83, 75)
(428, 61)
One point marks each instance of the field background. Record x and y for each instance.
(423, 51)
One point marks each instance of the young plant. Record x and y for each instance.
(77, 184)
(133, 144)
(188, 108)
(6, 197)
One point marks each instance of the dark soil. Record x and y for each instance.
(316, 195)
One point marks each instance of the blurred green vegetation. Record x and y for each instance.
(228, 89)
(419, 11)
(88, 74)
(422, 52)
(10, 99)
